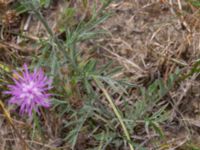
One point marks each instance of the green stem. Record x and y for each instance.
(56, 40)
(43, 21)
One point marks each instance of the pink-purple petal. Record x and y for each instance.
(30, 91)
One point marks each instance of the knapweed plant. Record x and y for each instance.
(85, 91)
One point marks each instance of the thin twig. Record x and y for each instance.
(9, 119)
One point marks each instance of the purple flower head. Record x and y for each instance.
(30, 91)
